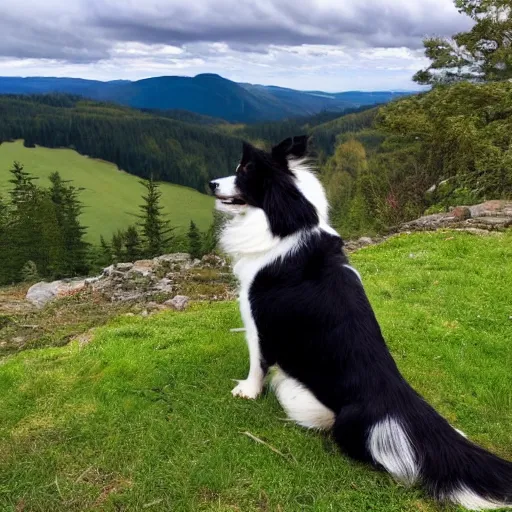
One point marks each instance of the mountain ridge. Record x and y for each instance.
(207, 94)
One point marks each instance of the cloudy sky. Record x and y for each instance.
(331, 45)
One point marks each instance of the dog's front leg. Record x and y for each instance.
(253, 385)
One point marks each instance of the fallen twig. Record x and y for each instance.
(83, 474)
(153, 503)
(260, 441)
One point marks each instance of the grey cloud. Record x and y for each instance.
(83, 31)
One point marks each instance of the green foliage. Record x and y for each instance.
(133, 244)
(194, 241)
(68, 209)
(29, 272)
(156, 230)
(325, 136)
(40, 231)
(454, 139)
(211, 237)
(117, 245)
(345, 176)
(463, 131)
(482, 54)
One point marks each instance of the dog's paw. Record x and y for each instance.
(247, 389)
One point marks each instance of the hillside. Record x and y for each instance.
(110, 196)
(141, 143)
(138, 415)
(206, 94)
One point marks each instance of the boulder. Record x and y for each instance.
(180, 302)
(42, 293)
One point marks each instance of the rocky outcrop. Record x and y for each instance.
(491, 216)
(163, 279)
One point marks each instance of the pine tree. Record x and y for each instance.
(156, 231)
(105, 253)
(118, 246)
(194, 241)
(5, 245)
(28, 209)
(211, 237)
(132, 244)
(68, 210)
(482, 54)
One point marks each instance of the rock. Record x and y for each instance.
(212, 260)
(179, 257)
(365, 240)
(42, 293)
(143, 267)
(492, 208)
(108, 270)
(461, 212)
(180, 302)
(164, 285)
(123, 267)
(491, 215)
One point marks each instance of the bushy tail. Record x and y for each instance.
(418, 445)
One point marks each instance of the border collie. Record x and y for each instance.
(306, 313)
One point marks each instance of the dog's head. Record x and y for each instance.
(291, 197)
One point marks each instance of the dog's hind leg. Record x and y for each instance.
(300, 404)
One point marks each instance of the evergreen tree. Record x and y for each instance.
(118, 246)
(194, 241)
(106, 252)
(68, 209)
(99, 256)
(211, 237)
(5, 245)
(156, 231)
(132, 244)
(482, 54)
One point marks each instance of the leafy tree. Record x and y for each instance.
(343, 177)
(156, 230)
(482, 54)
(194, 241)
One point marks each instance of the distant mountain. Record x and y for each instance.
(207, 94)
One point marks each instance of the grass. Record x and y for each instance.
(142, 418)
(110, 196)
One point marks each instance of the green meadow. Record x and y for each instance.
(142, 418)
(110, 196)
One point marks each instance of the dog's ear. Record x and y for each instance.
(292, 147)
(248, 151)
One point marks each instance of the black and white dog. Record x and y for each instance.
(306, 313)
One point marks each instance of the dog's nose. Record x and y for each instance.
(213, 186)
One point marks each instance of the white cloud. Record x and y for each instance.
(312, 44)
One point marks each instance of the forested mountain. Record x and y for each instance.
(140, 143)
(207, 94)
